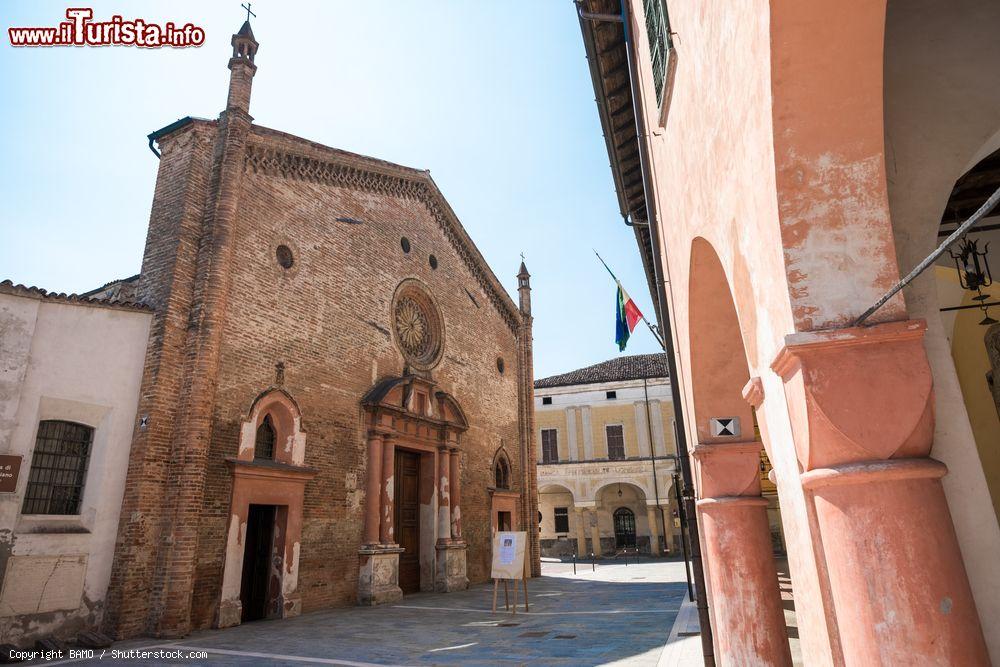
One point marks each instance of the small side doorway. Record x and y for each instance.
(254, 589)
(407, 518)
(624, 528)
(503, 521)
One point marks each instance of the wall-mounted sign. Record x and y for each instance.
(10, 466)
(725, 426)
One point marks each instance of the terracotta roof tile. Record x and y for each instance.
(632, 367)
(8, 287)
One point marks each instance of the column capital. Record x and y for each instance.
(728, 469)
(858, 394)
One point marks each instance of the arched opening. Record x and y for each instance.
(740, 570)
(263, 448)
(501, 472)
(624, 505)
(942, 131)
(273, 430)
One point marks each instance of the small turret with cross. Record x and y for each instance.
(242, 65)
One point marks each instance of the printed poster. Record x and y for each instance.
(508, 555)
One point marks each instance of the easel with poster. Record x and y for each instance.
(509, 565)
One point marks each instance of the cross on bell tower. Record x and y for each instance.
(242, 66)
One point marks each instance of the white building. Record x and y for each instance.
(70, 371)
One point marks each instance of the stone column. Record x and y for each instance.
(444, 496)
(595, 530)
(749, 619)
(385, 532)
(450, 566)
(652, 516)
(455, 492)
(372, 492)
(861, 402)
(581, 532)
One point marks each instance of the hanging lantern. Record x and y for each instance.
(974, 274)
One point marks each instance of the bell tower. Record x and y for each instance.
(242, 67)
(524, 289)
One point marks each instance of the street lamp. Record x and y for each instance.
(973, 268)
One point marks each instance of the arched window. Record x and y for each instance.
(58, 468)
(264, 444)
(502, 473)
(624, 528)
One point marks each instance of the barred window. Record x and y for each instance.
(58, 468)
(562, 519)
(264, 444)
(658, 32)
(550, 446)
(616, 442)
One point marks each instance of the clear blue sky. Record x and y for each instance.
(494, 98)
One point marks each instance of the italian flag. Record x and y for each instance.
(627, 315)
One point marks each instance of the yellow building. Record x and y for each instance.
(607, 459)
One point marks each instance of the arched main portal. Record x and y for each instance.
(413, 517)
(747, 614)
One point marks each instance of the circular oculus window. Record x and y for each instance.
(284, 256)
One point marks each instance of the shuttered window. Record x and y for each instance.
(658, 32)
(550, 446)
(616, 441)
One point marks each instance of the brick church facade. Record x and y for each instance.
(336, 405)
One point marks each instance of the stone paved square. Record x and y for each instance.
(616, 615)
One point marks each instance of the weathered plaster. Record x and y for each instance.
(80, 363)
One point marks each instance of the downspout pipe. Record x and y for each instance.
(707, 645)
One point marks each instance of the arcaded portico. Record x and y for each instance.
(783, 165)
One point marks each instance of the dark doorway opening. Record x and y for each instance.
(407, 518)
(254, 591)
(503, 521)
(624, 528)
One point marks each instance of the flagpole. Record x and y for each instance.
(652, 329)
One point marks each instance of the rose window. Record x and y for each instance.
(417, 326)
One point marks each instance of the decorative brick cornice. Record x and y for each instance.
(394, 181)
